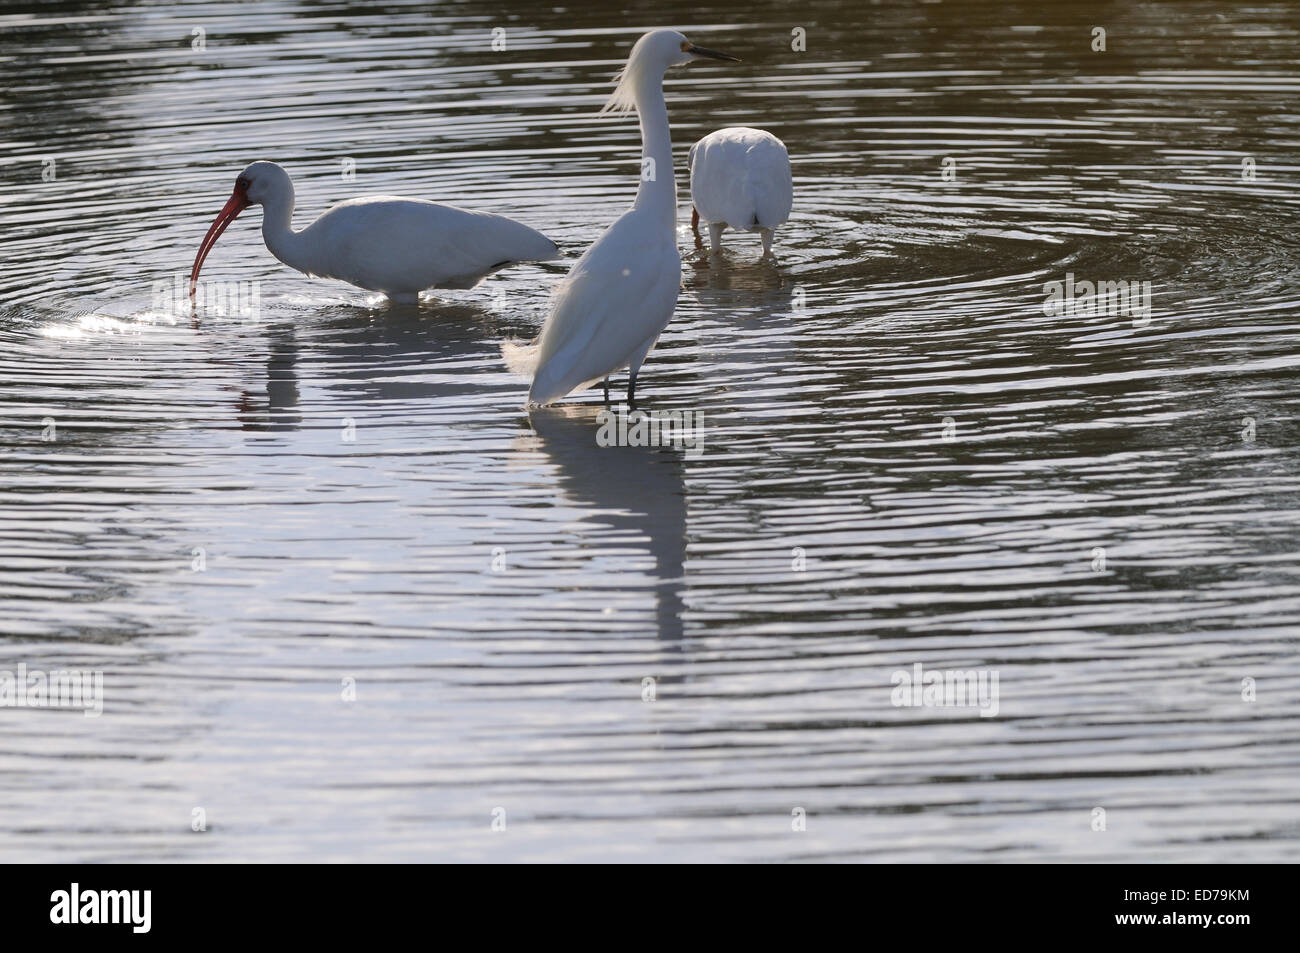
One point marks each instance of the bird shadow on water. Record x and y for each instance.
(639, 492)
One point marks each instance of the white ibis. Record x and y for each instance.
(394, 245)
(609, 310)
(740, 178)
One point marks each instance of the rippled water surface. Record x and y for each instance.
(906, 458)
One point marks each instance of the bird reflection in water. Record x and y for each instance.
(734, 271)
(385, 354)
(274, 406)
(638, 491)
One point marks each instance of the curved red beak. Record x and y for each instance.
(238, 202)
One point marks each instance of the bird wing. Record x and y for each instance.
(394, 244)
(617, 299)
(770, 184)
(483, 241)
(719, 189)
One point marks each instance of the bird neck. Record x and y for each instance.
(657, 193)
(277, 231)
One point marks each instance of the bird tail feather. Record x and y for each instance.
(520, 356)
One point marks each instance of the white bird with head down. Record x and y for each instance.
(609, 310)
(740, 178)
(398, 246)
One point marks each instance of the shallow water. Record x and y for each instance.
(906, 460)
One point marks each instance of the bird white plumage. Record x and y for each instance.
(740, 178)
(382, 243)
(610, 309)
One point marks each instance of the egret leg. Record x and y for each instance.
(695, 220)
(606, 391)
(715, 236)
(633, 367)
(766, 235)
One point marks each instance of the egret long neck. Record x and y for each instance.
(658, 190)
(277, 231)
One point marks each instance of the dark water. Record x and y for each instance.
(907, 460)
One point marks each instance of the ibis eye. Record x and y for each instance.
(242, 184)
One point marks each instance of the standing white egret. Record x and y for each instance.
(394, 245)
(609, 310)
(740, 178)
